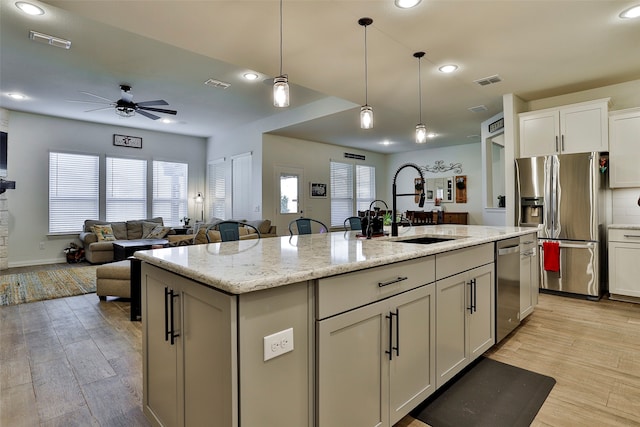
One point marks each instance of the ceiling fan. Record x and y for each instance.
(125, 106)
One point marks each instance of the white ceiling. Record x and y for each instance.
(167, 49)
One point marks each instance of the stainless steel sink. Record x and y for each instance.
(426, 240)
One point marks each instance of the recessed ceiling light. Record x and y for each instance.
(16, 96)
(29, 9)
(449, 68)
(407, 4)
(251, 76)
(632, 12)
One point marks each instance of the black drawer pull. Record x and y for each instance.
(391, 282)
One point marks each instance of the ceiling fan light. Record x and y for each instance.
(125, 111)
(29, 9)
(421, 133)
(281, 91)
(366, 117)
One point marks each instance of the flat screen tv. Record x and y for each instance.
(3, 154)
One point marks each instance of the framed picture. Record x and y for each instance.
(318, 190)
(127, 141)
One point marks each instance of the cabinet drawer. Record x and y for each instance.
(624, 235)
(345, 292)
(454, 262)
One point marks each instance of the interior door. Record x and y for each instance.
(289, 193)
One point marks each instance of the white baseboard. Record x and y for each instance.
(38, 262)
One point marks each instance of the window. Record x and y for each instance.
(170, 183)
(73, 191)
(289, 193)
(217, 188)
(346, 180)
(126, 189)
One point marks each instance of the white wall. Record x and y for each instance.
(32, 136)
(313, 158)
(467, 154)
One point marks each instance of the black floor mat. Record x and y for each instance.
(488, 393)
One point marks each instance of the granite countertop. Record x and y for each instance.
(251, 265)
(625, 226)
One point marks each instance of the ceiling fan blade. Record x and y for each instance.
(158, 110)
(148, 115)
(156, 102)
(88, 102)
(98, 109)
(96, 96)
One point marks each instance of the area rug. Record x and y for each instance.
(46, 284)
(488, 393)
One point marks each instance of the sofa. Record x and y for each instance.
(98, 241)
(198, 236)
(98, 244)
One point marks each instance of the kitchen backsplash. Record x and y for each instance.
(625, 206)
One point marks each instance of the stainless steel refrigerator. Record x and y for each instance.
(563, 196)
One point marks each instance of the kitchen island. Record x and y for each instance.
(318, 330)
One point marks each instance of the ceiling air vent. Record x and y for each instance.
(478, 108)
(50, 40)
(488, 80)
(217, 84)
(354, 156)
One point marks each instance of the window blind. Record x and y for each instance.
(217, 188)
(126, 189)
(170, 184)
(341, 192)
(365, 186)
(73, 191)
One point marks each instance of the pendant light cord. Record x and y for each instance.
(366, 74)
(419, 92)
(280, 37)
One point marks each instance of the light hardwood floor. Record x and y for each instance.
(77, 362)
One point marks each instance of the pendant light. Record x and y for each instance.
(421, 128)
(366, 112)
(281, 83)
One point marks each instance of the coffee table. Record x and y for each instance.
(125, 248)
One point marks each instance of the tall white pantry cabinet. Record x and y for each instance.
(624, 148)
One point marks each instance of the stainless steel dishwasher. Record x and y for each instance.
(507, 287)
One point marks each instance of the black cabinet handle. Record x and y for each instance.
(470, 307)
(173, 331)
(475, 295)
(391, 282)
(397, 347)
(390, 351)
(166, 313)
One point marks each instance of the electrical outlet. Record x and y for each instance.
(41, 245)
(278, 343)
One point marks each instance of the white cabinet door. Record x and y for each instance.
(451, 346)
(160, 374)
(584, 128)
(528, 274)
(352, 369)
(624, 148)
(412, 375)
(539, 133)
(465, 320)
(187, 382)
(575, 128)
(376, 363)
(481, 319)
(624, 268)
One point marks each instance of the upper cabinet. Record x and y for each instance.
(575, 128)
(624, 148)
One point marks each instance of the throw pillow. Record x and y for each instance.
(147, 227)
(104, 232)
(158, 232)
